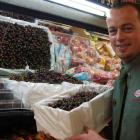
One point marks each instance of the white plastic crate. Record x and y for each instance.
(61, 124)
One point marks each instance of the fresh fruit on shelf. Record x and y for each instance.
(23, 45)
(45, 76)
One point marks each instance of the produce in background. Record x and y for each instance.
(23, 45)
(102, 44)
(92, 74)
(46, 76)
(86, 59)
(82, 52)
(107, 61)
(108, 64)
(112, 64)
(101, 76)
(103, 49)
(73, 101)
(71, 51)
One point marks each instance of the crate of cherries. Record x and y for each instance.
(66, 114)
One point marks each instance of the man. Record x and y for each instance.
(124, 33)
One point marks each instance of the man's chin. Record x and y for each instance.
(126, 59)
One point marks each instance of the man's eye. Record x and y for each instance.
(112, 32)
(127, 29)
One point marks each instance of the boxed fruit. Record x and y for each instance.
(31, 92)
(66, 114)
(24, 43)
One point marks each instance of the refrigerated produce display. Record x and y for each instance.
(49, 68)
(84, 58)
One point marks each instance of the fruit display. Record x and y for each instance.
(73, 101)
(82, 51)
(104, 48)
(95, 58)
(45, 76)
(72, 51)
(21, 46)
(71, 110)
(17, 16)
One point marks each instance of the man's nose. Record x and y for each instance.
(120, 36)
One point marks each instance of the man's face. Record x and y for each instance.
(124, 32)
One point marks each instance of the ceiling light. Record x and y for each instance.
(84, 6)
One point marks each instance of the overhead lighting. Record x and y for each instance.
(84, 5)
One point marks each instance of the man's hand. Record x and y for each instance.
(89, 135)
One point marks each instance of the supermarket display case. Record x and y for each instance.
(15, 117)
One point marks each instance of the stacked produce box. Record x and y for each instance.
(23, 45)
(66, 113)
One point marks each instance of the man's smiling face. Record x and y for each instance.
(124, 32)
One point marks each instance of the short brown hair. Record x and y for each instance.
(119, 4)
